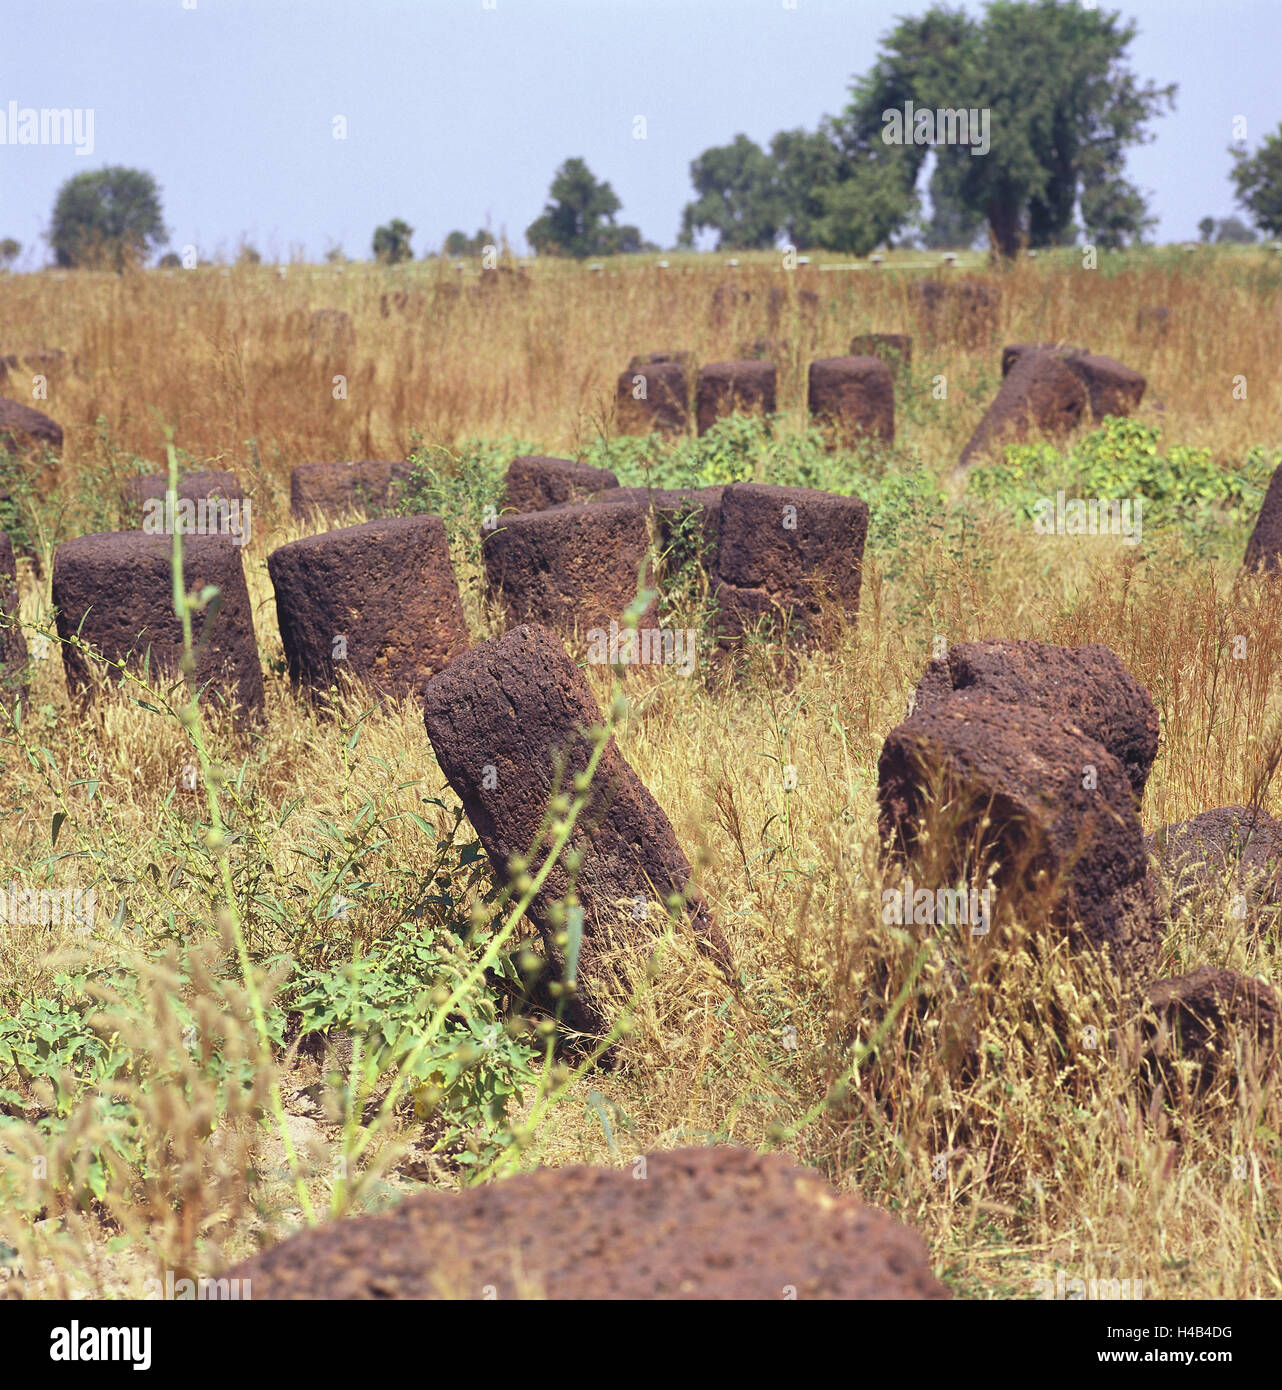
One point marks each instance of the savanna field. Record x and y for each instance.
(302, 996)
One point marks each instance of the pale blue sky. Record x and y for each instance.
(458, 114)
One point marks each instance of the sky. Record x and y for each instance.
(458, 112)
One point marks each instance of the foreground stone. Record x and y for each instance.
(784, 551)
(894, 349)
(1051, 809)
(570, 567)
(734, 388)
(504, 719)
(853, 398)
(1233, 848)
(325, 490)
(712, 1223)
(1207, 1017)
(13, 644)
(653, 398)
(1088, 686)
(116, 590)
(1264, 549)
(1013, 352)
(1112, 388)
(24, 428)
(533, 483)
(654, 359)
(378, 600)
(1041, 392)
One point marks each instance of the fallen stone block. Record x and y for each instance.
(509, 723)
(1233, 849)
(1087, 686)
(1041, 392)
(1050, 811)
(1264, 549)
(1208, 1017)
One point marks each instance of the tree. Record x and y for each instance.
(106, 218)
(1206, 228)
(578, 219)
(1060, 108)
(805, 163)
(460, 244)
(10, 250)
(1233, 229)
(739, 197)
(392, 242)
(1257, 179)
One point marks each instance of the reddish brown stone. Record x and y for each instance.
(654, 359)
(793, 543)
(894, 349)
(501, 717)
(1111, 387)
(1012, 352)
(1153, 319)
(45, 362)
(734, 388)
(207, 485)
(378, 600)
(13, 644)
(768, 349)
(325, 490)
(1042, 392)
(710, 1223)
(535, 483)
(853, 397)
(1048, 809)
(571, 567)
(963, 311)
(653, 398)
(24, 428)
(1237, 849)
(116, 590)
(1207, 1017)
(1087, 685)
(1264, 549)
(726, 300)
(781, 307)
(330, 331)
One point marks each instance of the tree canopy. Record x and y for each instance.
(107, 219)
(578, 219)
(1050, 110)
(1257, 179)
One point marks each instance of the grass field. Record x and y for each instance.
(167, 1101)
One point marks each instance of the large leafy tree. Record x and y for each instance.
(1063, 110)
(392, 242)
(578, 219)
(1257, 179)
(738, 196)
(107, 219)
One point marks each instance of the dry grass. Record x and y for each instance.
(1050, 1157)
